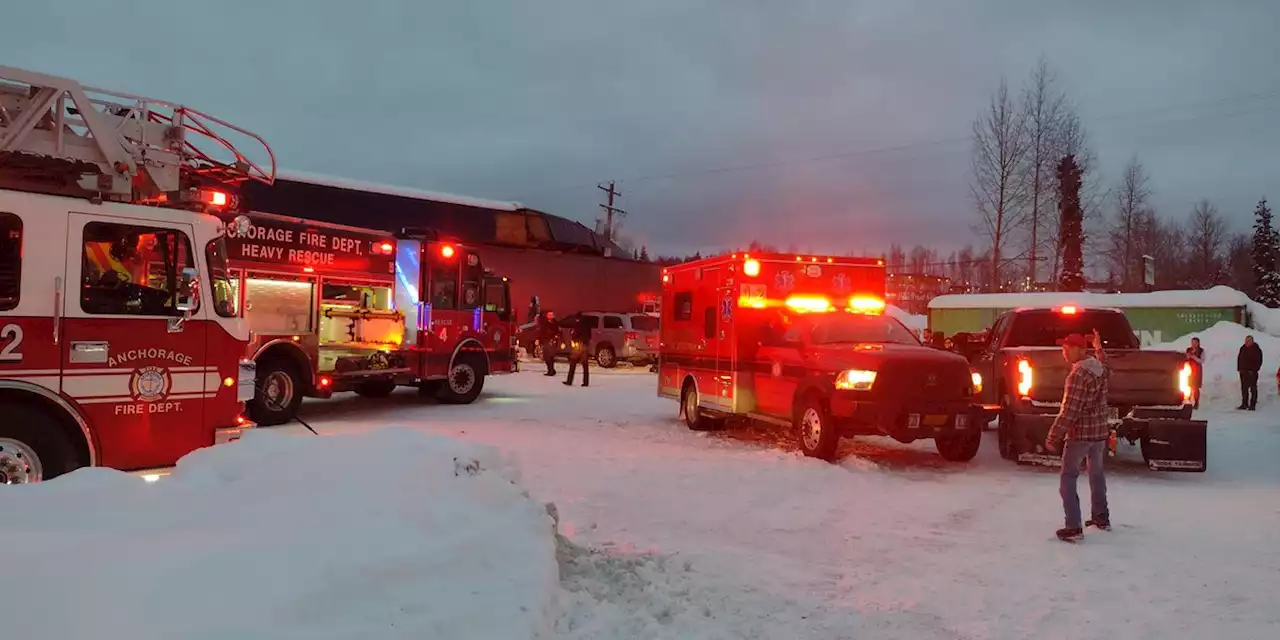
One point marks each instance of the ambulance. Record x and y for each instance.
(334, 308)
(119, 344)
(802, 342)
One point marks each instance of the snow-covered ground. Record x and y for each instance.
(667, 533)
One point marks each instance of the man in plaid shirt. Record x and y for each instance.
(1081, 430)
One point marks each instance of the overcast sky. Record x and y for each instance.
(833, 125)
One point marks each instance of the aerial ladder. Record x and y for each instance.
(62, 138)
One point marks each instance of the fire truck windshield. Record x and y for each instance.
(839, 328)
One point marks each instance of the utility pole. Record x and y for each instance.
(610, 209)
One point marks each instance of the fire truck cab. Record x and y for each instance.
(333, 308)
(119, 345)
(802, 342)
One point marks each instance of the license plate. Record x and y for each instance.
(936, 420)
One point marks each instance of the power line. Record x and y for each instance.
(942, 142)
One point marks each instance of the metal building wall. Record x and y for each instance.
(567, 282)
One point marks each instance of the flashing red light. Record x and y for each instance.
(1068, 310)
(631, 335)
(309, 269)
(446, 251)
(666, 278)
(751, 268)
(325, 381)
(386, 247)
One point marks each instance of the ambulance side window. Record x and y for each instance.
(684, 306)
(132, 270)
(10, 260)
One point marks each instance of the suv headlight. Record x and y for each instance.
(856, 379)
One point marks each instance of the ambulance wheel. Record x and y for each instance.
(959, 447)
(376, 388)
(465, 381)
(819, 437)
(279, 393)
(693, 416)
(606, 357)
(33, 446)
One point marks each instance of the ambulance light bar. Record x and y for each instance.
(809, 304)
(866, 304)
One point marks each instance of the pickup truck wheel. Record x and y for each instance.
(693, 416)
(819, 436)
(278, 394)
(960, 447)
(1008, 446)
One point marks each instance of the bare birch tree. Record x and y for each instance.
(1131, 198)
(1206, 239)
(999, 153)
(1044, 108)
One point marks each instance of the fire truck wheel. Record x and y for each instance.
(960, 447)
(819, 436)
(33, 446)
(465, 381)
(606, 357)
(376, 388)
(279, 393)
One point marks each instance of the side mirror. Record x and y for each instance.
(188, 291)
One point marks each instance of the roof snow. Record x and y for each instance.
(1219, 296)
(392, 190)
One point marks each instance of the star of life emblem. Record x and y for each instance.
(784, 281)
(726, 308)
(841, 283)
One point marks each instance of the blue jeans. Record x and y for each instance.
(1072, 454)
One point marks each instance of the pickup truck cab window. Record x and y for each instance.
(1044, 328)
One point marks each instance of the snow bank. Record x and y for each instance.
(1221, 343)
(392, 534)
(1220, 296)
(913, 322)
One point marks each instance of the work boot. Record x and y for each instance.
(1070, 535)
(1103, 524)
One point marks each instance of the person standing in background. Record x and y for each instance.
(1195, 356)
(580, 336)
(549, 340)
(1248, 364)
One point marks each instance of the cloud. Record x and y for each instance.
(538, 101)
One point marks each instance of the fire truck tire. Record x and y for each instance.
(819, 437)
(376, 388)
(606, 357)
(465, 381)
(33, 446)
(280, 377)
(960, 447)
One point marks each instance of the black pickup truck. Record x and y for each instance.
(1024, 372)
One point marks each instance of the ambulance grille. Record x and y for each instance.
(923, 381)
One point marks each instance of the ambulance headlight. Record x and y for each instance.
(856, 379)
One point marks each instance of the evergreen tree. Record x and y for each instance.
(1266, 251)
(1070, 225)
(644, 253)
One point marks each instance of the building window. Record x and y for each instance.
(10, 260)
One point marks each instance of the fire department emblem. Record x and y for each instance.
(840, 283)
(149, 384)
(784, 281)
(470, 294)
(813, 271)
(379, 361)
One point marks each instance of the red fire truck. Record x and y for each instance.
(333, 308)
(118, 344)
(802, 342)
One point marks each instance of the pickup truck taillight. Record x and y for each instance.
(1184, 382)
(631, 335)
(1024, 378)
(977, 381)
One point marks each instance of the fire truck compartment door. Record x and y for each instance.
(140, 381)
(408, 288)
